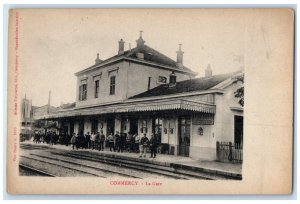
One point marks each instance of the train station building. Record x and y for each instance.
(140, 90)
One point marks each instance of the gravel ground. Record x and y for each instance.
(53, 169)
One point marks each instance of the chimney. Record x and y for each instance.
(140, 42)
(208, 71)
(149, 83)
(180, 57)
(172, 81)
(48, 105)
(121, 47)
(97, 60)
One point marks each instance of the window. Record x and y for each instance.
(96, 88)
(144, 128)
(112, 85)
(162, 79)
(82, 92)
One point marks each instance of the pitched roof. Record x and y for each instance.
(150, 55)
(197, 84)
(67, 105)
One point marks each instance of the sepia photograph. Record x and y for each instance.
(137, 97)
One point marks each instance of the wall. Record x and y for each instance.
(229, 101)
(138, 77)
(204, 147)
(103, 74)
(131, 79)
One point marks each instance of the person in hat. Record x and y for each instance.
(110, 139)
(153, 145)
(144, 142)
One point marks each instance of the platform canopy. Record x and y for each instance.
(136, 106)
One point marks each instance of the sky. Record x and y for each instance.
(54, 44)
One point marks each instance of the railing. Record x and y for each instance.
(228, 152)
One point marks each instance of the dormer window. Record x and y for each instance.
(162, 80)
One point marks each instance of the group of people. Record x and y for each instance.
(116, 143)
(97, 141)
(88, 141)
(50, 137)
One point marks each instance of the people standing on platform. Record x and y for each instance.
(102, 140)
(73, 141)
(51, 138)
(110, 139)
(117, 142)
(153, 145)
(93, 138)
(88, 140)
(144, 143)
(97, 141)
(122, 142)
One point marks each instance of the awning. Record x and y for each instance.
(131, 107)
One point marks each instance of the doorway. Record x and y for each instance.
(157, 128)
(134, 126)
(184, 135)
(81, 127)
(71, 128)
(94, 128)
(110, 126)
(238, 131)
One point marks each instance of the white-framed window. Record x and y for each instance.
(112, 87)
(82, 92)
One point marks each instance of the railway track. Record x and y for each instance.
(164, 171)
(79, 166)
(55, 168)
(33, 171)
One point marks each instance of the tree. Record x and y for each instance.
(239, 93)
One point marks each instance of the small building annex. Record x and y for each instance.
(142, 91)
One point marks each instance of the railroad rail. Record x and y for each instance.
(35, 171)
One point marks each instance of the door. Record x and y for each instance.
(133, 126)
(184, 135)
(238, 131)
(157, 128)
(81, 127)
(71, 128)
(110, 126)
(94, 126)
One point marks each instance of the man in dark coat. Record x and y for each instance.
(153, 145)
(97, 141)
(102, 140)
(88, 140)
